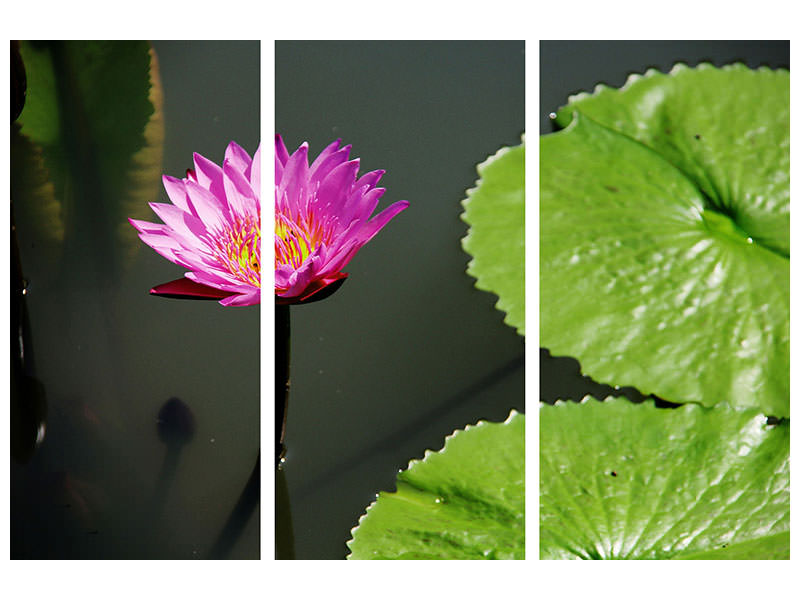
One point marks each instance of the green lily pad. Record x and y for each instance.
(631, 481)
(495, 212)
(647, 279)
(466, 501)
(726, 128)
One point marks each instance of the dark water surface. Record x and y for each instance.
(407, 350)
(569, 67)
(151, 405)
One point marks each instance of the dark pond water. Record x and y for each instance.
(567, 67)
(407, 350)
(102, 357)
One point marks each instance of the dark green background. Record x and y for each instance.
(407, 350)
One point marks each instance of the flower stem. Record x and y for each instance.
(284, 534)
(282, 345)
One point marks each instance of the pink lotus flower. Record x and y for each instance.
(212, 228)
(322, 218)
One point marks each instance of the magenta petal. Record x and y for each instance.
(281, 153)
(321, 289)
(185, 288)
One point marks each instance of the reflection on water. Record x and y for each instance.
(120, 473)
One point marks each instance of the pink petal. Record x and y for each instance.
(248, 299)
(295, 173)
(208, 174)
(329, 207)
(330, 149)
(147, 227)
(359, 206)
(338, 183)
(241, 197)
(207, 207)
(321, 169)
(281, 158)
(378, 223)
(238, 157)
(188, 227)
(343, 256)
(176, 190)
(255, 173)
(370, 179)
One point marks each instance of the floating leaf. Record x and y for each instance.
(495, 212)
(727, 129)
(466, 501)
(664, 259)
(631, 481)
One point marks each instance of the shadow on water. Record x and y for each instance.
(176, 427)
(240, 515)
(422, 420)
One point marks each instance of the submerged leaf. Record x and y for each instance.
(466, 501)
(94, 123)
(631, 481)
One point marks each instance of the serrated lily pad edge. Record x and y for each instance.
(428, 452)
(635, 76)
(480, 283)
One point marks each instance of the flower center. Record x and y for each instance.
(296, 240)
(238, 249)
